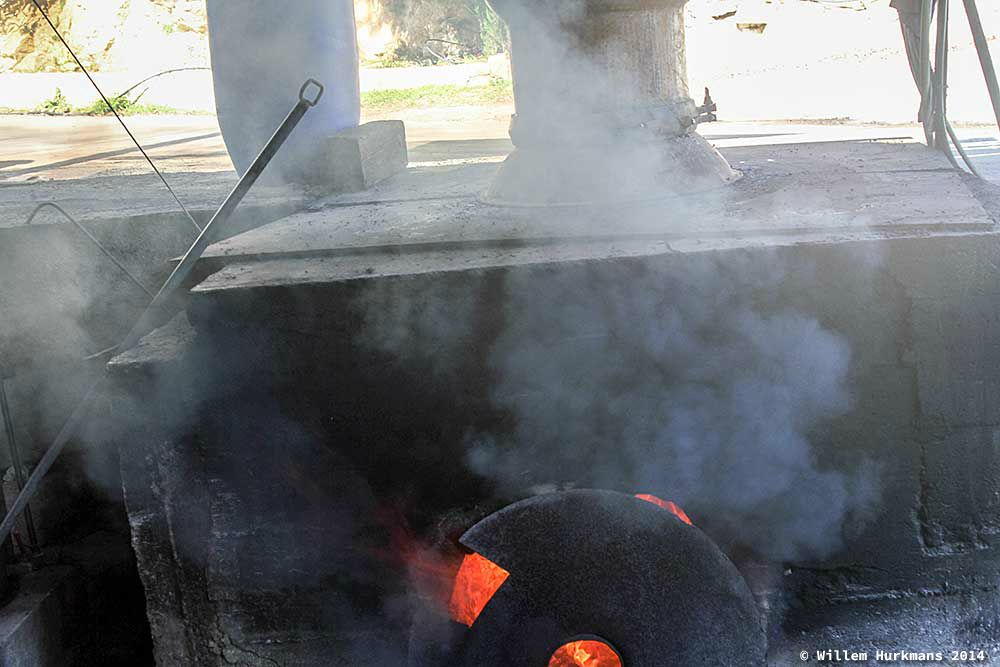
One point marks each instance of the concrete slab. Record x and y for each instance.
(120, 198)
(832, 191)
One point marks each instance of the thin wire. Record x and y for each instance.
(93, 239)
(153, 76)
(113, 111)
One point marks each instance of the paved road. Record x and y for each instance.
(69, 147)
(44, 148)
(58, 148)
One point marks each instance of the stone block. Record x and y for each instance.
(362, 156)
(88, 610)
(499, 65)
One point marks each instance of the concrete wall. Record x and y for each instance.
(295, 428)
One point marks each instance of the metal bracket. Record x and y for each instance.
(706, 112)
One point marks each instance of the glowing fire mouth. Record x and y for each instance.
(585, 653)
(478, 579)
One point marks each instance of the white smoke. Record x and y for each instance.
(674, 381)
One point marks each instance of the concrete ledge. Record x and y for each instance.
(62, 299)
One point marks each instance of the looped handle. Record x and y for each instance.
(319, 93)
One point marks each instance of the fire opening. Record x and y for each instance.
(585, 653)
(478, 579)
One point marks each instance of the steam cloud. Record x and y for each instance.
(687, 377)
(675, 382)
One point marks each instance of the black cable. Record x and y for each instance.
(153, 76)
(113, 111)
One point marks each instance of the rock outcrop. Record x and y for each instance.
(107, 36)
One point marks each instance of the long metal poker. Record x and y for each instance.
(148, 320)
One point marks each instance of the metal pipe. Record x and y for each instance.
(16, 461)
(944, 132)
(932, 83)
(985, 59)
(924, 68)
(93, 239)
(941, 78)
(147, 321)
(961, 151)
(149, 318)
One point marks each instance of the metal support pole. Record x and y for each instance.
(985, 59)
(149, 318)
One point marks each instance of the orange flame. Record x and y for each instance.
(671, 507)
(478, 579)
(430, 571)
(585, 653)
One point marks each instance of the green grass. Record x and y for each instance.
(394, 61)
(58, 105)
(498, 91)
(124, 108)
(389, 62)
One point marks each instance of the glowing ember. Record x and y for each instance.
(476, 582)
(673, 508)
(585, 653)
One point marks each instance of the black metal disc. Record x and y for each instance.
(608, 564)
